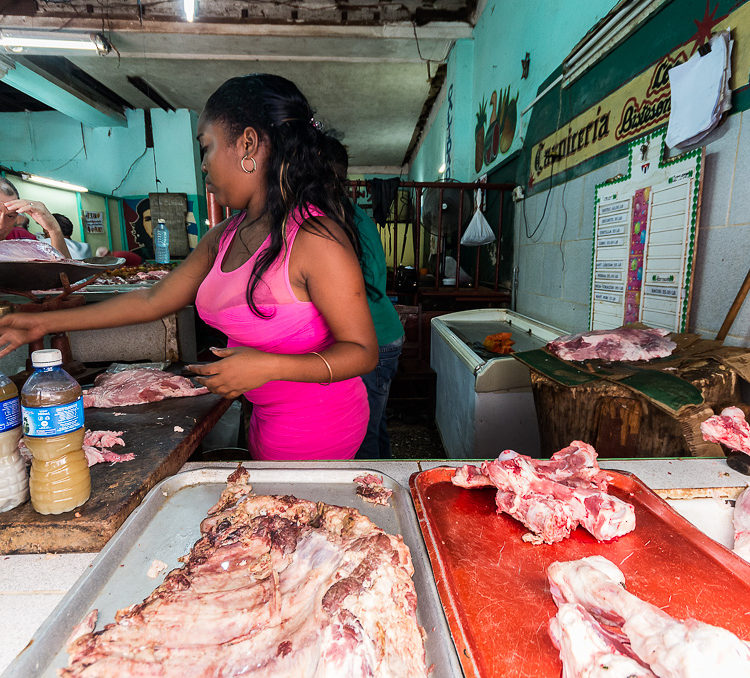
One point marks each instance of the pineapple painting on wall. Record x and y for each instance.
(496, 135)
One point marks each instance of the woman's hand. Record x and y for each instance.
(240, 369)
(7, 220)
(17, 329)
(38, 212)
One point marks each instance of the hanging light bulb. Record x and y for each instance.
(189, 6)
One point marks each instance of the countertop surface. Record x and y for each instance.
(32, 585)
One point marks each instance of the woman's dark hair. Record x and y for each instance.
(300, 171)
(66, 225)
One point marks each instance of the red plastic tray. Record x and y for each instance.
(494, 588)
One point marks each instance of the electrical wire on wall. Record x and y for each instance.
(130, 169)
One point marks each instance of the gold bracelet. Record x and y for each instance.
(328, 365)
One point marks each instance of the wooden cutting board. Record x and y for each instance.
(151, 432)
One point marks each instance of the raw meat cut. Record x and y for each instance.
(613, 345)
(96, 446)
(741, 521)
(137, 386)
(729, 428)
(370, 488)
(28, 250)
(275, 587)
(671, 648)
(553, 497)
(588, 651)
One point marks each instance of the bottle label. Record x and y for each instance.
(57, 420)
(10, 414)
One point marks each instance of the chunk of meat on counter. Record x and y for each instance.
(275, 587)
(28, 250)
(96, 446)
(370, 488)
(671, 648)
(729, 428)
(587, 650)
(623, 344)
(136, 387)
(741, 521)
(553, 497)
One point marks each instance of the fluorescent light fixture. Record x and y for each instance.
(54, 183)
(17, 41)
(189, 6)
(442, 168)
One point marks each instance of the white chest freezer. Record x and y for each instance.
(485, 405)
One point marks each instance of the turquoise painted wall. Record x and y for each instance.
(505, 31)
(56, 146)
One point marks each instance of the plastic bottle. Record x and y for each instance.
(52, 413)
(14, 481)
(161, 242)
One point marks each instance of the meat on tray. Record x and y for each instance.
(275, 587)
(28, 250)
(741, 522)
(370, 487)
(553, 497)
(623, 344)
(137, 386)
(729, 428)
(605, 613)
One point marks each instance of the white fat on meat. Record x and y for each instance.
(623, 344)
(276, 587)
(729, 428)
(552, 497)
(586, 651)
(136, 387)
(28, 250)
(741, 521)
(671, 648)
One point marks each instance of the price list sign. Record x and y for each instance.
(645, 231)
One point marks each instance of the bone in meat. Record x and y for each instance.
(587, 651)
(137, 386)
(275, 587)
(671, 648)
(623, 344)
(741, 521)
(551, 498)
(729, 428)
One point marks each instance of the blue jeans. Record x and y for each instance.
(377, 442)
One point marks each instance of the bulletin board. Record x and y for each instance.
(645, 232)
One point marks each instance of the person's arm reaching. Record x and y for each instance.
(167, 296)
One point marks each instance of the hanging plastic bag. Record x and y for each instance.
(478, 232)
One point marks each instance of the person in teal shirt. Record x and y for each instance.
(390, 332)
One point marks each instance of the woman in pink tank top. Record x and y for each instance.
(281, 278)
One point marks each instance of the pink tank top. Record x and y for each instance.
(290, 420)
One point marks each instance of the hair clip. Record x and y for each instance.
(316, 124)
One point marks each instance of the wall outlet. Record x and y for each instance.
(518, 194)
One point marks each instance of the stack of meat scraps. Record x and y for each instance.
(602, 630)
(553, 497)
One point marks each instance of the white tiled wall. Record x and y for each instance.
(555, 265)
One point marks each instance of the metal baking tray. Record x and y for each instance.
(494, 585)
(166, 525)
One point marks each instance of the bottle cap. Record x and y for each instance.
(47, 357)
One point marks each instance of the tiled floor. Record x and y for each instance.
(414, 437)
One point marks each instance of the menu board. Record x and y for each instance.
(645, 230)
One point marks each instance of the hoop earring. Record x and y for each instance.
(242, 164)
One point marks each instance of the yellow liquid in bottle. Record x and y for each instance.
(60, 480)
(14, 482)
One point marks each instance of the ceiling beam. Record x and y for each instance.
(34, 81)
(447, 30)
